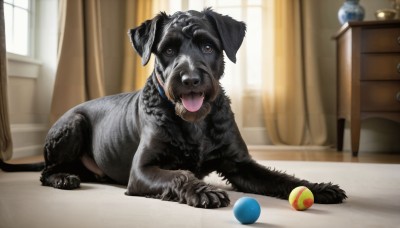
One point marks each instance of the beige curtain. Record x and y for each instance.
(134, 74)
(80, 72)
(5, 132)
(293, 109)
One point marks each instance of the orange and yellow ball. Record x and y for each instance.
(301, 198)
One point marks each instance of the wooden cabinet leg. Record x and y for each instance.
(355, 126)
(340, 134)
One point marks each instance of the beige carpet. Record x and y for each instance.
(373, 190)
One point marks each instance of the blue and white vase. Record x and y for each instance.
(351, 10)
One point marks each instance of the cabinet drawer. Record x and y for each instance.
(380, 96)
(380, 67)
(380, 40)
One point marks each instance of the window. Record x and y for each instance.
(18, 23)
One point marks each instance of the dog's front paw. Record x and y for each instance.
(186, 188)
(65, 181)
(328, 193)
(202, 195)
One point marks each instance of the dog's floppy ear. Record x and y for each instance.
(231, 32)
(142, 37)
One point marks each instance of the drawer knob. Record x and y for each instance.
(398, 96)
(398, 67)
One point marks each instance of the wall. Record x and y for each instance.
(31, 84)
(376, 134)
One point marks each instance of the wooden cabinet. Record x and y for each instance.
(368, 75)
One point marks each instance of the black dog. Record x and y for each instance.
(161, 141)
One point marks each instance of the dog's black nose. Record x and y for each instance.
(190, 80)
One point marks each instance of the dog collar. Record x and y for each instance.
(160, 88)
(160, 85)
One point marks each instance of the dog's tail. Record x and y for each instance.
(31, 167)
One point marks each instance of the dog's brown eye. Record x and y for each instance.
(169, 52)
(207, 49)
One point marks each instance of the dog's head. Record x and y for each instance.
(189, 62)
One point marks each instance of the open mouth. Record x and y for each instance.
(192, 101)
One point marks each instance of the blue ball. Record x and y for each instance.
(246, 210)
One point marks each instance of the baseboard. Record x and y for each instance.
(28, 139)
(287, 148)
(27, 151)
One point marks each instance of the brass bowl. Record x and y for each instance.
(385, 14)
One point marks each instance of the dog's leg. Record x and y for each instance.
(63, 148)
(174, 185)
(177, 185)
(248, 176)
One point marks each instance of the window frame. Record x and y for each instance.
(30, 34)
(25, 66)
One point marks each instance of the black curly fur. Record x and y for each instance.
(148, 141)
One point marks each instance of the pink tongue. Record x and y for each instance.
(192, 102)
